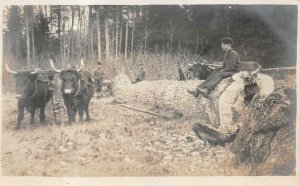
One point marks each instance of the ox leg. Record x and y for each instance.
(87, 111)
(69, 114)
(72, 115)
(32, 113)
(81, 111)
(20, 115)
(42, 115)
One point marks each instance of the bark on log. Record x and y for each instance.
(173, 95)
(221, 108)
(163, 93)
(168, 94)
(266, 140)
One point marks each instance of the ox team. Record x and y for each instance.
(34, 89)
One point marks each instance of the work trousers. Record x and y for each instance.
(214, 79)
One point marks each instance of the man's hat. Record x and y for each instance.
(226, 40)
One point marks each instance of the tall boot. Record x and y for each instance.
(194, 92)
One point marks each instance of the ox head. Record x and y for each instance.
(25, 82)
(70, 78)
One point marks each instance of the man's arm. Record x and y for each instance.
(231, 62)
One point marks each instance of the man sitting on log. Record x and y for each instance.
(98, 75)
(231, 62)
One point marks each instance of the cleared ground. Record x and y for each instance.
(118, 142)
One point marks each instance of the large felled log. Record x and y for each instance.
(218, 110)
(163, 93)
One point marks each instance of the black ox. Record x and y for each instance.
(77, 90)
(33, 90)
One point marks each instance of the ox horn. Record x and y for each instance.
(53, 67)
(81, 65)
(9, 70)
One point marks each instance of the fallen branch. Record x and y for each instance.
(145, 111)
(278, 68)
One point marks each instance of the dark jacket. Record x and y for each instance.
(231, 61)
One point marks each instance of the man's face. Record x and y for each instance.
(225, 47)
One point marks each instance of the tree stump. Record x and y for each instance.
(266, 140)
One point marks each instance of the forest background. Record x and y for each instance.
(159, 36)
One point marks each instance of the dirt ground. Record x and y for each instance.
(118, 142)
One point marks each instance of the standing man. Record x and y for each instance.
(99, 75)
(141, 73)
(231, 61)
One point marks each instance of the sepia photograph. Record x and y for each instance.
(180, 90)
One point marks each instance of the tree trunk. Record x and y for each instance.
(16, 54)
(107, 44)
(90, 35)
(146, 33)
(64, 41)
(73, 16)
(197, 43)
(98, 34)
(117, 33)
(72, 33)
(33, 47)
(227, 10)
(121, 35)
(112, 40)
(85, 41)
(79, 34)
(171, 36)
(46, 10)
(126, 39)
(26, 12)
(132, 38)
(59, 29)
